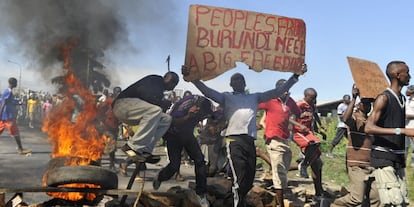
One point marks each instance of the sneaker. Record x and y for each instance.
(203, 201)
(303, 170)
(24, 151)
(156, 184)
(330, 155)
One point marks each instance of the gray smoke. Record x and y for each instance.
(35, 28)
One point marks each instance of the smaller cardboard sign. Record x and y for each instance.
(368, 77)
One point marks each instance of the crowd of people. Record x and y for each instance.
(377, 130)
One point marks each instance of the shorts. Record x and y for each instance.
(11, 126)
(303, 140)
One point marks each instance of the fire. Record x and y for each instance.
(75, 196)
(71, 126)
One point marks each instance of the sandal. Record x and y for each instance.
(24, 151)
(123, 169)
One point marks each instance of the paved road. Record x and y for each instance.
(20, 171)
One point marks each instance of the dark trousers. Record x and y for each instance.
(217, 157)
(242, 159)
(175, 143)
(340, 133)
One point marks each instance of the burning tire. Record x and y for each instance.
(60, 162)
(82, 174)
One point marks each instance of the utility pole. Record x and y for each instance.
(20, 74)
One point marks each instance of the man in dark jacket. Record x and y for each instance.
(186, 114)
(142, 104)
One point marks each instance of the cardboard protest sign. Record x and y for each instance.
(368, 77)
(217, 38)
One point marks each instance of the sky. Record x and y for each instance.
(379, 31)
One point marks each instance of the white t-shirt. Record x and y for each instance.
(409, 110)
(340, 111)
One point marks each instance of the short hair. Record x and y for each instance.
(390, 67)
(346, 96)
(13, 81)
(236, 75)
(116, 89)
(309, 91)
(187, 93)
(171, 77)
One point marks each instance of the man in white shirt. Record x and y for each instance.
(341, 129)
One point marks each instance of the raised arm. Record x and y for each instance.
(208, 92)
(348, 113)
(274, 93)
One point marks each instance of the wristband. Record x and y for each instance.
(397, 131)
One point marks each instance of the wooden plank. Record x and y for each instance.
(217, 38)
(2, 199)
(368, 77)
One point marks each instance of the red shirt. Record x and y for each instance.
(307, 121)
(105, 109)
(277, 117)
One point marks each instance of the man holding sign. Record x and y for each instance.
(217, 38)
(240, 109)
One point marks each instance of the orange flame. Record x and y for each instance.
(75, 196)
(80, 138)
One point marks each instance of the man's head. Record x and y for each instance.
(187, 93)
(170, 80)
(346, 99)
(105, 92)
(310, 95)
(398, 73)
(12, 82)
(410, 90)
(116, 91)
(205, 105)
(279, 83)
(238, 83)
(201, 107)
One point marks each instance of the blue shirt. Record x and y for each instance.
(9, 111)
(240, 108)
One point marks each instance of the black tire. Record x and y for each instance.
(60, 162)
(82, 174)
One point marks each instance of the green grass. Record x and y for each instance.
(334, 169)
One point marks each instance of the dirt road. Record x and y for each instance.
(20, 171)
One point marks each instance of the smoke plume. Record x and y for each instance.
(36, 28)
